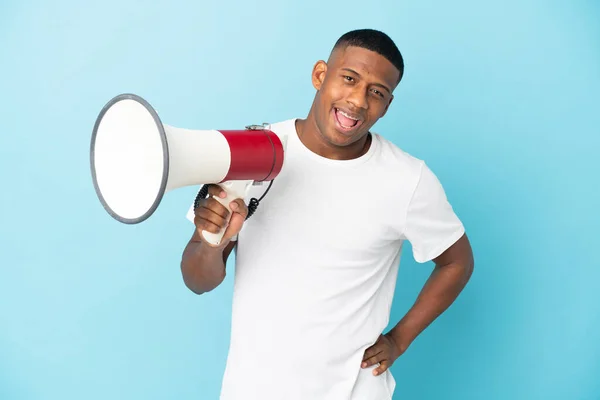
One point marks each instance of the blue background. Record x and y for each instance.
(500, 98)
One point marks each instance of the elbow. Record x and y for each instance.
(194, 288)
(468, 269)
(197, 282)
(199, 287)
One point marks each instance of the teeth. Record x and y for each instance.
(346, 115)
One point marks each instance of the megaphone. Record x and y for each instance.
(135, 159)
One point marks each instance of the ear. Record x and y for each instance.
(318, 74)
(387, 107)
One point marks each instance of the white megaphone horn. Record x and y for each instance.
(135, 159)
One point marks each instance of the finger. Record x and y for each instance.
(371, 351)
(240, 207)
(217, 191)
(382, 368)
(214, 206)
(205, 225)
(209, 216)
(234, 227)
(236, 221)
(373, 359)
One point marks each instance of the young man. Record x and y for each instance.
(316, 264)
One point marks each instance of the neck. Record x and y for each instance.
(311, 136)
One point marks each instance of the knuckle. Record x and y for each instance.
(201, 218)
(201, 224)
(216, 207)
(208, 226)
(205, 222)
(214, 218)
(211, 203)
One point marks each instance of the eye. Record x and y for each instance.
(377, 93)
(348, 78)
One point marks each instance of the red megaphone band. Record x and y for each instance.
(253, 153)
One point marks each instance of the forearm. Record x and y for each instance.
(439, 292)
(203, 266)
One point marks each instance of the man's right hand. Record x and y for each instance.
(211, 216)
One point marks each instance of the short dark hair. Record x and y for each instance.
(376, 41)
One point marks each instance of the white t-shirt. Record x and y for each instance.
(316, 270)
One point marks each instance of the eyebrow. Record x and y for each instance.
(375, 84)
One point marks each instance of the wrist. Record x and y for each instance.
(402, 336)
(207, 251)
(205, 245)
(211, 251)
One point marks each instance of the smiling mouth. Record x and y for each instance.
(346, 121)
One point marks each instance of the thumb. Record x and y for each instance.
(238, 216)
(239, 207)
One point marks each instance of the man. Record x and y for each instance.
(316, 264)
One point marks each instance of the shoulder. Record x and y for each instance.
(397, 159)
(283, 126)
(283, 129)
(412, 173)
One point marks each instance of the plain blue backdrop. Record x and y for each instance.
(501, 98)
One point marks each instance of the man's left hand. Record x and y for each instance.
(385, 351)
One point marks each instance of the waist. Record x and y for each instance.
(279, 375)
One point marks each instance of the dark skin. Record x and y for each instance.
(203, 264)
(360, 83)
(453, 269)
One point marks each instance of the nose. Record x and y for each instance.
(358, 97)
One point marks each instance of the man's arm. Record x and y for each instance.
(203, 266)
(452, 271)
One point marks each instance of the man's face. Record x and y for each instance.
(354, 90)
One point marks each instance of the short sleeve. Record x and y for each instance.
(432, 226)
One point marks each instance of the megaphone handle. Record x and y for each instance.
(235, 190)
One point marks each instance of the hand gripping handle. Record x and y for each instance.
(235, 190)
